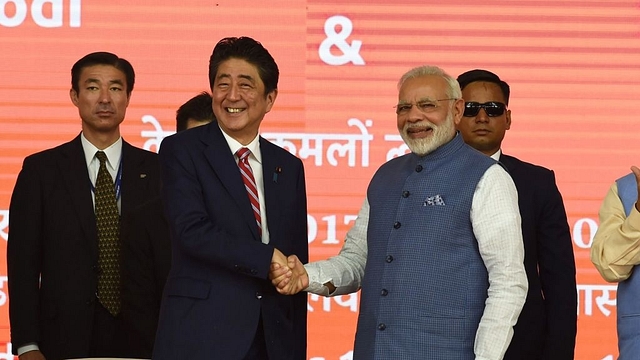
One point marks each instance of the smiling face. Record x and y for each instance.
(482, 132)
(239, 101)
(424, 130)
(102, 102)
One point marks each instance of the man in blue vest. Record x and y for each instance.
(615, 253)
(439, 233)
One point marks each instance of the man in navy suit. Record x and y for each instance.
(228, 225)
(195, 112)
(56, 309)
(546, 328)
(147, 250)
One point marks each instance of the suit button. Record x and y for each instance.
(389, 258)
(384, 292)
(258, 295)
(396, 225)
(382, 326)
(254, 272)
(405, 194)
(418, 168)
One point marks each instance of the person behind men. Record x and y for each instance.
(615, 253)
(231, 213)
(195, 112)
(147, 250)
(444, 276)
(546, 328)
(63, 258)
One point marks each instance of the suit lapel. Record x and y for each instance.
(223, 163)
(74, 171)
(506, 162)
(272, 168)
(135, 183)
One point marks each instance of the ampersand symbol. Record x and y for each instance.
(350, 52)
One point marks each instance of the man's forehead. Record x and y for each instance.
(484, 89)
(250, 77)
(237, 68)
(94, 71)
(485, 85)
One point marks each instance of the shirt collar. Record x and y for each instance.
(254, 145)
(113, 152)
(496, 155)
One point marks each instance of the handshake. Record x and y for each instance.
(287, 274)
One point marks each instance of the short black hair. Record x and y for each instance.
(249, 50)
(484, 75)
(198, 108)
(102, 58)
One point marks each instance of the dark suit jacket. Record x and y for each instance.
(53, 240)
(146, 261)
(546, 328)
(218, 286)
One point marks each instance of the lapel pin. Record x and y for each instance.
(142, 176)
(277, 171)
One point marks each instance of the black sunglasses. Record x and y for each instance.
(492, 108)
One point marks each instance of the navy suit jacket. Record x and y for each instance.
(218, 287)
(546, 328)
(52, 252)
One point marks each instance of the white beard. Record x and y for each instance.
(441, 135)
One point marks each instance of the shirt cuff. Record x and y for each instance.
(316, 280)
(26, 348)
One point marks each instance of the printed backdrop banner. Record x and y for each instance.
(573, 67)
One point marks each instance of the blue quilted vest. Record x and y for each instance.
(425, 284)
(628, 302)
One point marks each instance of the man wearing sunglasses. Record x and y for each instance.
(546, 328)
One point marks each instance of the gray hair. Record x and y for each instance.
(453, 90)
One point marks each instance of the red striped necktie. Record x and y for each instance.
(250, 184)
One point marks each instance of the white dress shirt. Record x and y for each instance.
(255, 161)
(496, 222)
(114, 155)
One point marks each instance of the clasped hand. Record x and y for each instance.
(287, 274)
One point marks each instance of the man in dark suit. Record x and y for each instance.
(231, 214)
(195, 112)
(546, 328)
(147, 250)
(55, 255)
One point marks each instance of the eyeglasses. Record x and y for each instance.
(425, 106)
(492, 108)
